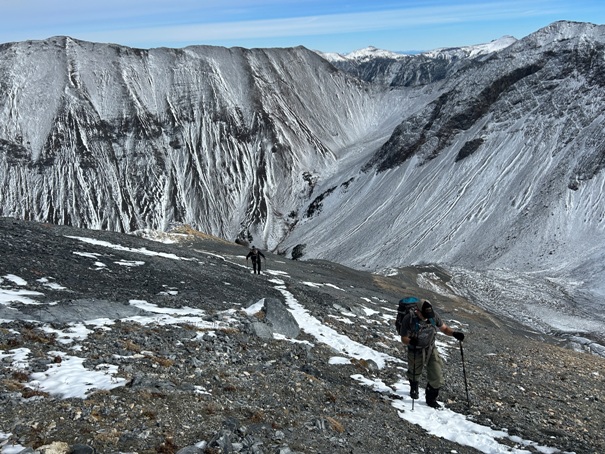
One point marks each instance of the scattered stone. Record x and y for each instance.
(193, 389)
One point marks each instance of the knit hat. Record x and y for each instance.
(425, 308)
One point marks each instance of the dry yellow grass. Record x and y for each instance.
(131, 346)
(188, 230)
(336, 425)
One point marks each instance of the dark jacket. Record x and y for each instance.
(424, 330)
(255, 254)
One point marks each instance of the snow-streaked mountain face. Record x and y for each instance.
(401, 70)
(503, 169)
(483, 158)
(503, 166)
(231, 141)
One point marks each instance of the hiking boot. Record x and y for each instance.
(414, 389)
(431, 397)
(433, 404)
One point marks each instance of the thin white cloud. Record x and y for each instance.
(74, 11)
(327, 24)
(198, 21)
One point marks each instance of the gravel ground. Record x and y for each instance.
(258, 394)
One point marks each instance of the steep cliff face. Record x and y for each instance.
(488, 157)
(228, 140)
(502, 169)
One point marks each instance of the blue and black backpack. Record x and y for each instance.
(406, 305)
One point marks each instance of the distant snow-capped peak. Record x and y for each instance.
(371, 52)
(475, 50)
(361, 55)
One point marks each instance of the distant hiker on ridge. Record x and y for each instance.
(256, 255)
(418, 331)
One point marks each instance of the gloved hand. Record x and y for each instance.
(413, 341)
(458, 335)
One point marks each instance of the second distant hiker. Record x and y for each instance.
(255, 255)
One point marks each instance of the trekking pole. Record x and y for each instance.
(414, 377)
(468, 400)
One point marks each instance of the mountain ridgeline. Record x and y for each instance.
(230, 141)
(482, 157)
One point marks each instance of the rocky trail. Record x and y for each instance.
(197, 354)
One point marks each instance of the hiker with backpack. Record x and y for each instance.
(417, 323)
(255, 255)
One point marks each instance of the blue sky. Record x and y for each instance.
(330, 26)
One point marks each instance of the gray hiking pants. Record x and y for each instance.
(417, 358)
